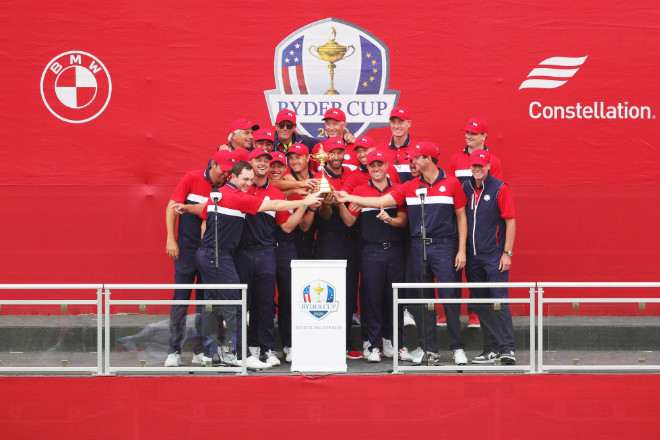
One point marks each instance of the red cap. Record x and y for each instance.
(265, 134)
(278, 156)
(242, 124)
(364, 142)
(425, 149)
(225, 159)
(298, 148)
(285, 115)
(333, 143)
(257, 152)
(480, 157)
(241, 154)
(400, 113)
(376, 155)
(335, 113)
(477, 125)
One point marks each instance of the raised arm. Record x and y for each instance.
(370, 202)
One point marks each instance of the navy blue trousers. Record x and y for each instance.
(334, 247)
(256, 268)
(380, 268)
(497, 325)
(225, 274)
(284, 253)
(185, 272)
(439, 266)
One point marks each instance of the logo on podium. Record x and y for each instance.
(318, 299)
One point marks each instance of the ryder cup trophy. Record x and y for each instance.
(332, 52)
(321, 156)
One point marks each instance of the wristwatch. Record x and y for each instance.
(509, 253)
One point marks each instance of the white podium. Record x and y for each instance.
(318, 315)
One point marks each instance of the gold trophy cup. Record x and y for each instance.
(331, 52)
(321, 156)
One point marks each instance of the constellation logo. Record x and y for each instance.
(332, 63)
(556, 73)
(561, 67)
(76, 87)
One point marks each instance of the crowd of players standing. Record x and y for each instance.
(270, 212)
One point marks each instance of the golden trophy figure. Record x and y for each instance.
(321, 156)
(318, 289)
(331, 52)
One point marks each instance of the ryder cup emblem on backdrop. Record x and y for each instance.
(318, 299)
(76, 86)
(332, 63)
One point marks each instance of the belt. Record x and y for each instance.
(386, 244)
(346, 235)
(221, 251)
(256, 247)
(435, 240)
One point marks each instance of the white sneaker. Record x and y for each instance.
(374, 356)
(270, 358)
(288, 356)
(417, 355)
(173, 360)
(459, 357)
(207, 361)
(408, 320)
(365, 346)
(197, 358)
(254, 351)
(388, 349)
(255, 364)
(404, 354)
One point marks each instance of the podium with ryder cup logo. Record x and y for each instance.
(318, 315)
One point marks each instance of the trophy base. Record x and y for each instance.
(325, 187)
(332, 92)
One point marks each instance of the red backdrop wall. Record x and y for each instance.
(85, 202)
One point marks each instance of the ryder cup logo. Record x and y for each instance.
(318, 299)
(332, 63)
(76, 87)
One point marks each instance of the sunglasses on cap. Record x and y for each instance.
(287, 124)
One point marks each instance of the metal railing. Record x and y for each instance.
(63, 368)
(242, 369)
(576, 366)
(430, 302)
(537, 300)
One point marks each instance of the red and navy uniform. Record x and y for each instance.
(230, 219)
(488, 206)
(459, 165)
(361, 177)
(307, 141)
(285, 251)
(255, 263)
(381, 265)
(304, 240)
(444, 196)
(336, 241)
(192, 189)
(398, 157)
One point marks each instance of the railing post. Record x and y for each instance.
(532, 332)
(539, 348)
(395, 335)
(244, 332)
(99, 331)
(107, 332)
